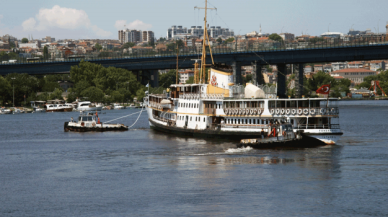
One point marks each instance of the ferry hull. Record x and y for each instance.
(208, 133)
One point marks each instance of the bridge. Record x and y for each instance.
(148, 64)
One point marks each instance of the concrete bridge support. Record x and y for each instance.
(299, 80)
(154, 78)
(237, 73)
(257, 75)
(282, 70)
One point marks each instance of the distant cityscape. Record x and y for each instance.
(131, 41)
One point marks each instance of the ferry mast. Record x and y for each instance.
(205, 44)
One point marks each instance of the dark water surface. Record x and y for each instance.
(47, 172)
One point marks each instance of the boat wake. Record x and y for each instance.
(238, 150)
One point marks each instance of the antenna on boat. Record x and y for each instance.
(205, 44)
(177, 54)
(196, 73)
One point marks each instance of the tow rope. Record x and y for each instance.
(128, 116)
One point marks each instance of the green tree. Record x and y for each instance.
(219, 40)
(229, 40)
(275, 37)
(166, 79)
(128, 45)
(140, 94)
(57, 94)
(5, 90)
(93, 94)
(24, 40)
(45, 53)
(190, 80)
(98, 46)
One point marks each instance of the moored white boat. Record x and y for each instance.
(118, 106)
(88, 106)
(5, 111)
(58, 108)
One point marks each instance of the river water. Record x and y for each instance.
(45, 171)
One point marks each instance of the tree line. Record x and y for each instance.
(92, 82)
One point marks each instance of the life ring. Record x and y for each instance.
(277, 111)
(323, 111)
(282, 111)
(333, 110)
(247, 111)
(300, 111)
(243, 112)
(293, 111)
(272, 111)
(312, 111)
(288, 111)
(93, 124)
(258, 111)
(240, 111)
(252, 112)
(82, 123)
(236, 111)
(305, 111)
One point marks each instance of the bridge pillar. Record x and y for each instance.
(154, 80)
(237, 72)
(299, 80)
(258, 76)
(282, 70)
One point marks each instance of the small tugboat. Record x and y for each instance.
(91, 122)
(282, 136)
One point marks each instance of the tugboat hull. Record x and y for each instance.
(273, 143)
(97, 128)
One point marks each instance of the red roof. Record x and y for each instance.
(352, 70)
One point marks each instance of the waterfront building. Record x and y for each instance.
(185, 75)
(179, 32)
(356, 75)
(377, 64)
(287, 36)
(338, 66)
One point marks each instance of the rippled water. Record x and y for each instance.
(45, 171)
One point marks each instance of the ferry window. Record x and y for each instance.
(79, 118)
(191, 118)
(203, 119)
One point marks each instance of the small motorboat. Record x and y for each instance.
(4, 111)
(89, 121)
(118, 106)
(88, 106)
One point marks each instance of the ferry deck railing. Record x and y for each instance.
(304, 110)
(318, 126)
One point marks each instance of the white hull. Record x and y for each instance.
(89, 109)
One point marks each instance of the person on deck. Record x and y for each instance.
(262, 133)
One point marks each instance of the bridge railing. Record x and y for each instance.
(239, 46)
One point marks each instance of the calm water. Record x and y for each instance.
(47, 172)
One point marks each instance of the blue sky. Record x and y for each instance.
(101, 18)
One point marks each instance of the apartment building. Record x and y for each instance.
(133, 35)
(356, 75)
(176, 32)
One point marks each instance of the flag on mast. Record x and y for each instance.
(325, 89)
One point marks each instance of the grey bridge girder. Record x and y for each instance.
(276, 57)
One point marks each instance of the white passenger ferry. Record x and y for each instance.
(214, 110)
(219, 108)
